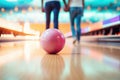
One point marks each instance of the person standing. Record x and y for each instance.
(76, 8)
(52, 5)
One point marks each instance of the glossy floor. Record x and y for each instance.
(26, 60)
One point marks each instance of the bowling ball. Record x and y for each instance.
(52, 41)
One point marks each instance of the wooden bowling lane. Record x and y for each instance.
(26, 60)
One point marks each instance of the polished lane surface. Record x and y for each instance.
(26, 60)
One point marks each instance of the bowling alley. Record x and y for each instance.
(59, 39)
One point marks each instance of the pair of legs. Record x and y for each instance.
(75, 16)
(49, 7)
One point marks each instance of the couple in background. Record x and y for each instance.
(75, 8)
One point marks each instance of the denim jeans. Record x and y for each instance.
(49, 7)
(75, 16)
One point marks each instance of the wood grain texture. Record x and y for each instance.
(26, 60)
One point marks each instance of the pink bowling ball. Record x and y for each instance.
(52, 41)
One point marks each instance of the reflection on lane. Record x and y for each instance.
(108, 56)
(52, 67)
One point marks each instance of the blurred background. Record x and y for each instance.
(26, 16)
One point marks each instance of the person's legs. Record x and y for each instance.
(72, 20)
(78, 22)
(56, 13)
(48, 10)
